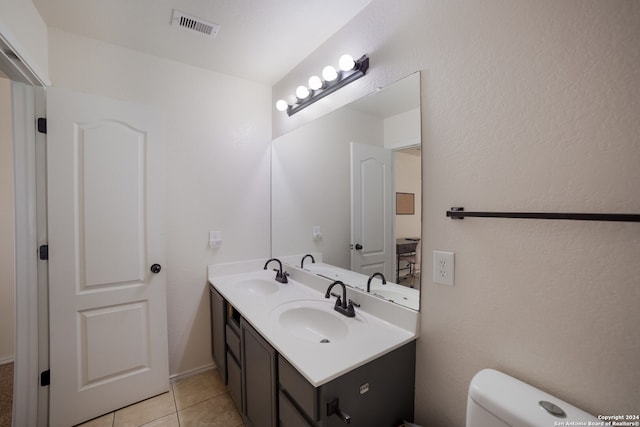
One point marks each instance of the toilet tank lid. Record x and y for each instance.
(517, 403)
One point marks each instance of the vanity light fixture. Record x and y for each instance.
(349, 70)
(302, 92)
(346, 62)
(329, 73)
(282, 105)
(315, 83)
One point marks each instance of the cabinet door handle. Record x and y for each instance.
(333, 407)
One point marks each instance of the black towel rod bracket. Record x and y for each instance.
(460, 213)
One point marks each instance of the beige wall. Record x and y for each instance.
(217, 171)
(7, 227)
(532, 106)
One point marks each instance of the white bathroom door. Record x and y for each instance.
(107, 309)
(372, 221)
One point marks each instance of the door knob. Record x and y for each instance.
(155, 268)
(358, 246)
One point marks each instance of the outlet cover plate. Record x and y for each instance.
(443, 267)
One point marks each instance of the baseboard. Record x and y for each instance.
(192, 372)
(5, 360)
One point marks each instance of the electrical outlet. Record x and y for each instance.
(443, 267)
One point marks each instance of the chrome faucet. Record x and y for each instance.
(341, 303)
(384, 281)
(281, 276)
(313, 260)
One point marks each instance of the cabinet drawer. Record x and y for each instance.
(233, 342)
(235, 382)
(288, 414)
(305, 395)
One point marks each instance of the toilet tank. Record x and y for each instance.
(498, 400)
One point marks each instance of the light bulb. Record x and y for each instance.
(346, 62)
(315, 83)
(281, 105)
(292, 100)
(302, 92)
(329, 73)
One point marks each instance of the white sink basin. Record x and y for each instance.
(313, 321)
(257, 287)
(254, 284)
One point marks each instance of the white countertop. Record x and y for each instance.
(370, 336)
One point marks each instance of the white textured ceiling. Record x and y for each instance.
(259, 40)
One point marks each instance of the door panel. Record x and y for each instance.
(111, 201)
(108, 326)
(372, 199)
(102, 362)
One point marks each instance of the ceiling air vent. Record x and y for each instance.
(181, 19)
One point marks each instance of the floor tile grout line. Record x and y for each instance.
(159, 417)
(175, 403)
(206, 400)
(176, 411)
(222, 393)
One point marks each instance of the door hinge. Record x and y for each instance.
(42, 125)
(44, 252)
(45, 378)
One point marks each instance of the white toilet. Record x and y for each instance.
(498, 400)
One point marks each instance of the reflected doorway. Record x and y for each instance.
(408, 215)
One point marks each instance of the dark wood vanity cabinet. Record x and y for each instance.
(246, 362)
(270, 392)
(218, 325)
(225, 345)
(380, 393)
(234, 366)
(259, 381)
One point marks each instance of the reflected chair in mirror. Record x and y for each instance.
(413, 262)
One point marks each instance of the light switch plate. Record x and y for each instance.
(215, 239)
(315, 231)
(443, 267)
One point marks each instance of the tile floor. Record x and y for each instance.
(199, 400)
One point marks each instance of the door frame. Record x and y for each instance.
(30, 400)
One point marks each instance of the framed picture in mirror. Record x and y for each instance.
(405, 204)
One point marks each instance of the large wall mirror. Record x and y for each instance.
(347, 189)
